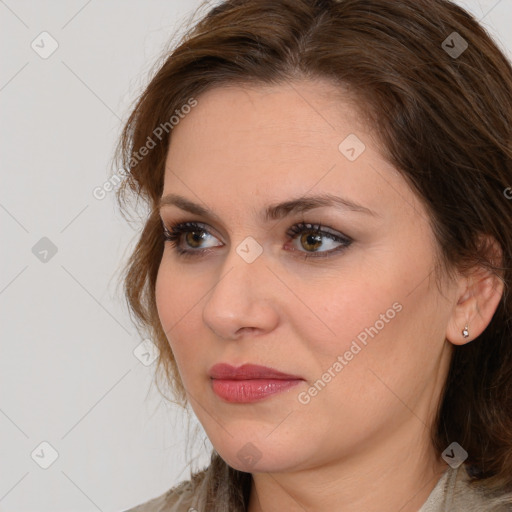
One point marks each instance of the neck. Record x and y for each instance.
(399, 475)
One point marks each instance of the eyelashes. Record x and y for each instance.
(307, 234)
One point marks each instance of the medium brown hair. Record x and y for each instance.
(444, 121)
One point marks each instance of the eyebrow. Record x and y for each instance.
(273, 211)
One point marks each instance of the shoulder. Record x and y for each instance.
(217, 488)
(454, 493)
(184, 497)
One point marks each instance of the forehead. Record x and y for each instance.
(257, 145)
(287, 112)
(256, 126)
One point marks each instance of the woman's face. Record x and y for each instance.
(361, 324)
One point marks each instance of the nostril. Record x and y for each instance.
(243, 330)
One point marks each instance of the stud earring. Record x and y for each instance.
(465, 332)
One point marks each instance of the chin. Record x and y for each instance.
(258, 457)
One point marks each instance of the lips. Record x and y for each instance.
(248, 372)
(249, 383)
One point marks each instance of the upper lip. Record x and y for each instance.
(247, 372)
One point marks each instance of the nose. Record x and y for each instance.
(244, 298)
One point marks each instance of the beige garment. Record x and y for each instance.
(451, 494)
(180, 498)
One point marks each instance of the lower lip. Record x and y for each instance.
(246, 391)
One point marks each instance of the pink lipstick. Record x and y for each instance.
(249, 383)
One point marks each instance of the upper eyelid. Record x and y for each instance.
(185, 225)
(202, 225)
(302, 225)
(338, 237)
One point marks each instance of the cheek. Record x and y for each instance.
(165, 298)
(372, 324)
(179, 306)
(347, 313)
(176, 297)
(369, 353)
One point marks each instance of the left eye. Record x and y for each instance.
(311, 238)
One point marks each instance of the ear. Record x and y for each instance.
(479, 294)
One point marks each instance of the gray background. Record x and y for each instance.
(69, 370)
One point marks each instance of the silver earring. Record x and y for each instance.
(465, 331)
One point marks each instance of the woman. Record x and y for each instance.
(327, 256)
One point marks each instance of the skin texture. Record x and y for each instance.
(362, 442)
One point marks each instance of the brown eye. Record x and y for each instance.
(195, 237)
(193, 233)
(312, 238)
(311, 242)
